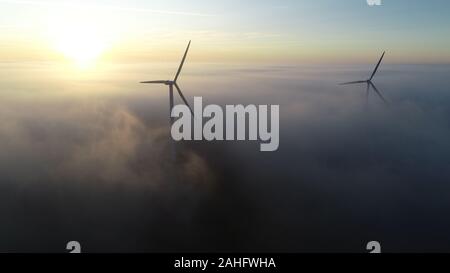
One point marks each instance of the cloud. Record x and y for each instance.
(94, 141)
(101, 170)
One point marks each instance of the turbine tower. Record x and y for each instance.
(369, 81)
(172, 84)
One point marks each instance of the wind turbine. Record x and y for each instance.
(173, 83)
(369, 81)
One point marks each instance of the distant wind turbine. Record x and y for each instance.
(172, 83)
(369, 81)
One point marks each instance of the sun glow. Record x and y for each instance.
(81, 45)
(80, 41)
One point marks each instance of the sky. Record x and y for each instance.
(268, 31)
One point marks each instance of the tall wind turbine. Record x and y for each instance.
(369, 81)
(173, 83)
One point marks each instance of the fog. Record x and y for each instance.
(88, 157)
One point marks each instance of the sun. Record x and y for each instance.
(80, 45)
(82, 42)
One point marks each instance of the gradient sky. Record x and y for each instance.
(274, 31)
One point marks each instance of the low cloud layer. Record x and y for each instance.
(102, 171)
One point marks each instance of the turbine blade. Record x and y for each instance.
(155, 82)
(347, 83)
(376, 68)
(184, 99)
(378, 92)
(182, 62)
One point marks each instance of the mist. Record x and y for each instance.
(91, 160)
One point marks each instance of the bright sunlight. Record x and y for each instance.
(80, 41)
